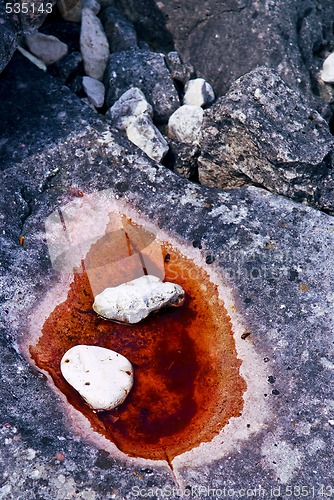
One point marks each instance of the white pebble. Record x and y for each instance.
(184, 125)
(46, 47)
(93, 44)
(133, 301)
(94, 90)
(198, 92)
(102, 377)
(327, 73)
(145, 135)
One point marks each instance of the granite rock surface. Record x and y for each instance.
(274, 254)
(263, 133)
(147, 71)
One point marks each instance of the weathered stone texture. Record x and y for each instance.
(263, 133)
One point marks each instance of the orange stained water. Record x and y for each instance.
(187, 382)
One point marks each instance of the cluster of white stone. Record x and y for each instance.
(104, 377)
(132, 113)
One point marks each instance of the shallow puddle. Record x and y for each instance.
(187, 382)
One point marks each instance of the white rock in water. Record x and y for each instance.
(102, 377)
(133, 301)
(327, 73)
(94, 90)
(144, 134)
(46, 47)
(93, 44)
(198, 92)
(131, 104)
(184, 125)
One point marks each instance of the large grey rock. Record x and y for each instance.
(276, 257)
(120, 32)
(7, 44)
(262, 133)
(147, 71)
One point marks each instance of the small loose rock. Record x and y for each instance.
(133, 301)
(198, 92)
(144, 134)
(102, 377)
(185, 123)
(46, 47)
(180, 71)
(94, 45)
(94, 90)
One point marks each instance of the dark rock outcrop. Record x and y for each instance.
(262, 133)
(226, 39)
(120, 32)
(147, 71)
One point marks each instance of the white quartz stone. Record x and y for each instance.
(46, 47)
(102, 377)
(198, 92)
(93, 44)
(94, 90)
(327, 73)
(131, 104)
(144, 134)
(133, 301)
(184, 125)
